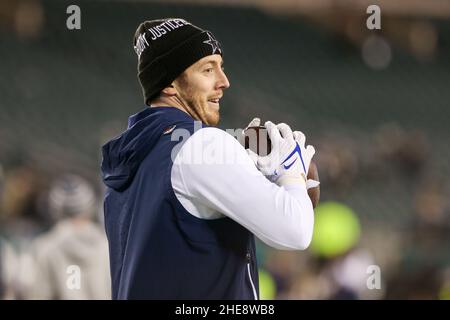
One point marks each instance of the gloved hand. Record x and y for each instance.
(289, 160)
(254, 123)
(299, 137)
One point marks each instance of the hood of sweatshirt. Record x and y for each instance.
(123, 154)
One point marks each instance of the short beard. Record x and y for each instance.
(189, 103)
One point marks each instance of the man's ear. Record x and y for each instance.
(170, 90)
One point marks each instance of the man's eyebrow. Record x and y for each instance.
(212, 62)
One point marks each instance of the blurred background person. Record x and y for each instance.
(21, 221)
(8, 267)
(71, 260)
(8, 259)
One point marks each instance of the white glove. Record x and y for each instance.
(299, 137)
(256, 122)
(289, 160)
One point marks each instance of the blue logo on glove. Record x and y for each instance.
(290, 165)
(296, 150)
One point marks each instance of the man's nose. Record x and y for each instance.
(222, 82)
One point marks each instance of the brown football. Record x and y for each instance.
(257, 140)
(314, 193)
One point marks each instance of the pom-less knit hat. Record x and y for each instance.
(71, 196)
(167, 47)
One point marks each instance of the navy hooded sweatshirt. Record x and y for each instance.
(158, 250)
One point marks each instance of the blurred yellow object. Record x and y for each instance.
(444, 293)
(267, 286)
(336, 230)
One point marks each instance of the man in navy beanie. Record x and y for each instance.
(184, 199)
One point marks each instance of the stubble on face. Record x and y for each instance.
(195, 101)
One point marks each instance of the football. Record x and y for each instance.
(314, 193)
(257, 140)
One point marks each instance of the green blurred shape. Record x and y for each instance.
(267, 286)
(336, 229)
(444, 293)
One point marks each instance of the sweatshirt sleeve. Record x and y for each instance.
(214, 171)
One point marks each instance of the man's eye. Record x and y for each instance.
(209, 70)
